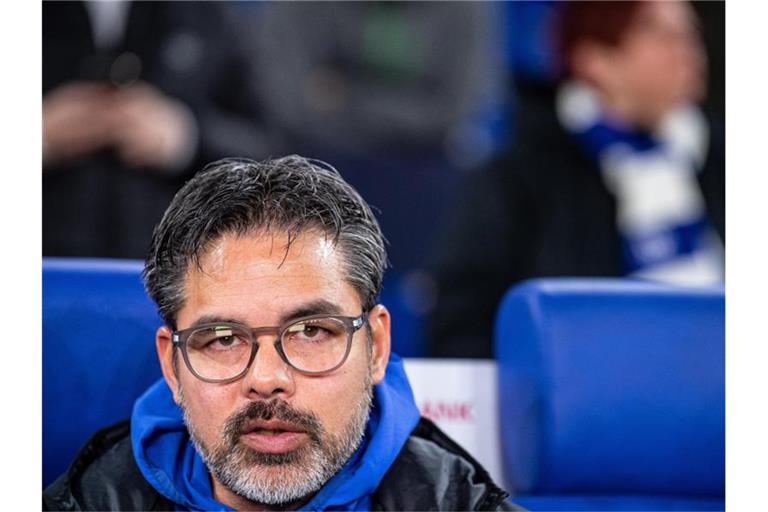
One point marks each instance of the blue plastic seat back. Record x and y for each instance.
(98, 351)
(612, 387)
(402, 299)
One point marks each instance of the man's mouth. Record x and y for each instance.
(273, 436)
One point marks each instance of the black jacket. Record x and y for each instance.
(540, 210)
(431, 473)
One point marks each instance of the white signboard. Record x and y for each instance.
(459, 395)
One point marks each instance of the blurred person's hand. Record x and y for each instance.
(74, 124)
(151, 129)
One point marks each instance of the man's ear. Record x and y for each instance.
(164, 345)
(379, 321)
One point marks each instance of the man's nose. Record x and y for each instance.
(269, 375)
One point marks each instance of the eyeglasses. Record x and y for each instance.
(222, 352)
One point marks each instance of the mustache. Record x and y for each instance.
(276, 409)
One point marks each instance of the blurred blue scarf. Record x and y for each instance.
(661, 216)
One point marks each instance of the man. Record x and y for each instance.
(279, 389)
(616, 173)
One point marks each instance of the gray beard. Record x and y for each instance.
(281, 478)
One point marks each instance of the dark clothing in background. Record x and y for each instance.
(97, 206)
(541, 210)
(368, 78)
(431, 473)
(398, 96)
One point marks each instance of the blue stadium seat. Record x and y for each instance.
(612, 395)
(408, 324)
(98, 351)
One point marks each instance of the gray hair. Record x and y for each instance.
(241, 196)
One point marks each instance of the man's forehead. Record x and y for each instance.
(233, 251)
(252, 278)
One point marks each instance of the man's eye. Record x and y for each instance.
(224, 341)
(311, 331)
(308, 333)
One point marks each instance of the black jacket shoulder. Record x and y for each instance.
(104, 476)
(432, 472)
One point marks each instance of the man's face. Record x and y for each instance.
(276, 435)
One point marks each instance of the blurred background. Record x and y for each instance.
(550, 177)
(497, 141)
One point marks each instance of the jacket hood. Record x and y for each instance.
(169, 461)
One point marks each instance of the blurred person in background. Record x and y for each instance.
(368, 78)
(135, 95)
(620, 175)
(402, 95)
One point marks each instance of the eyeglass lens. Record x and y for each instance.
(312, 345)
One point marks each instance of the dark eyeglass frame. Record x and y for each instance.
(352, 324)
